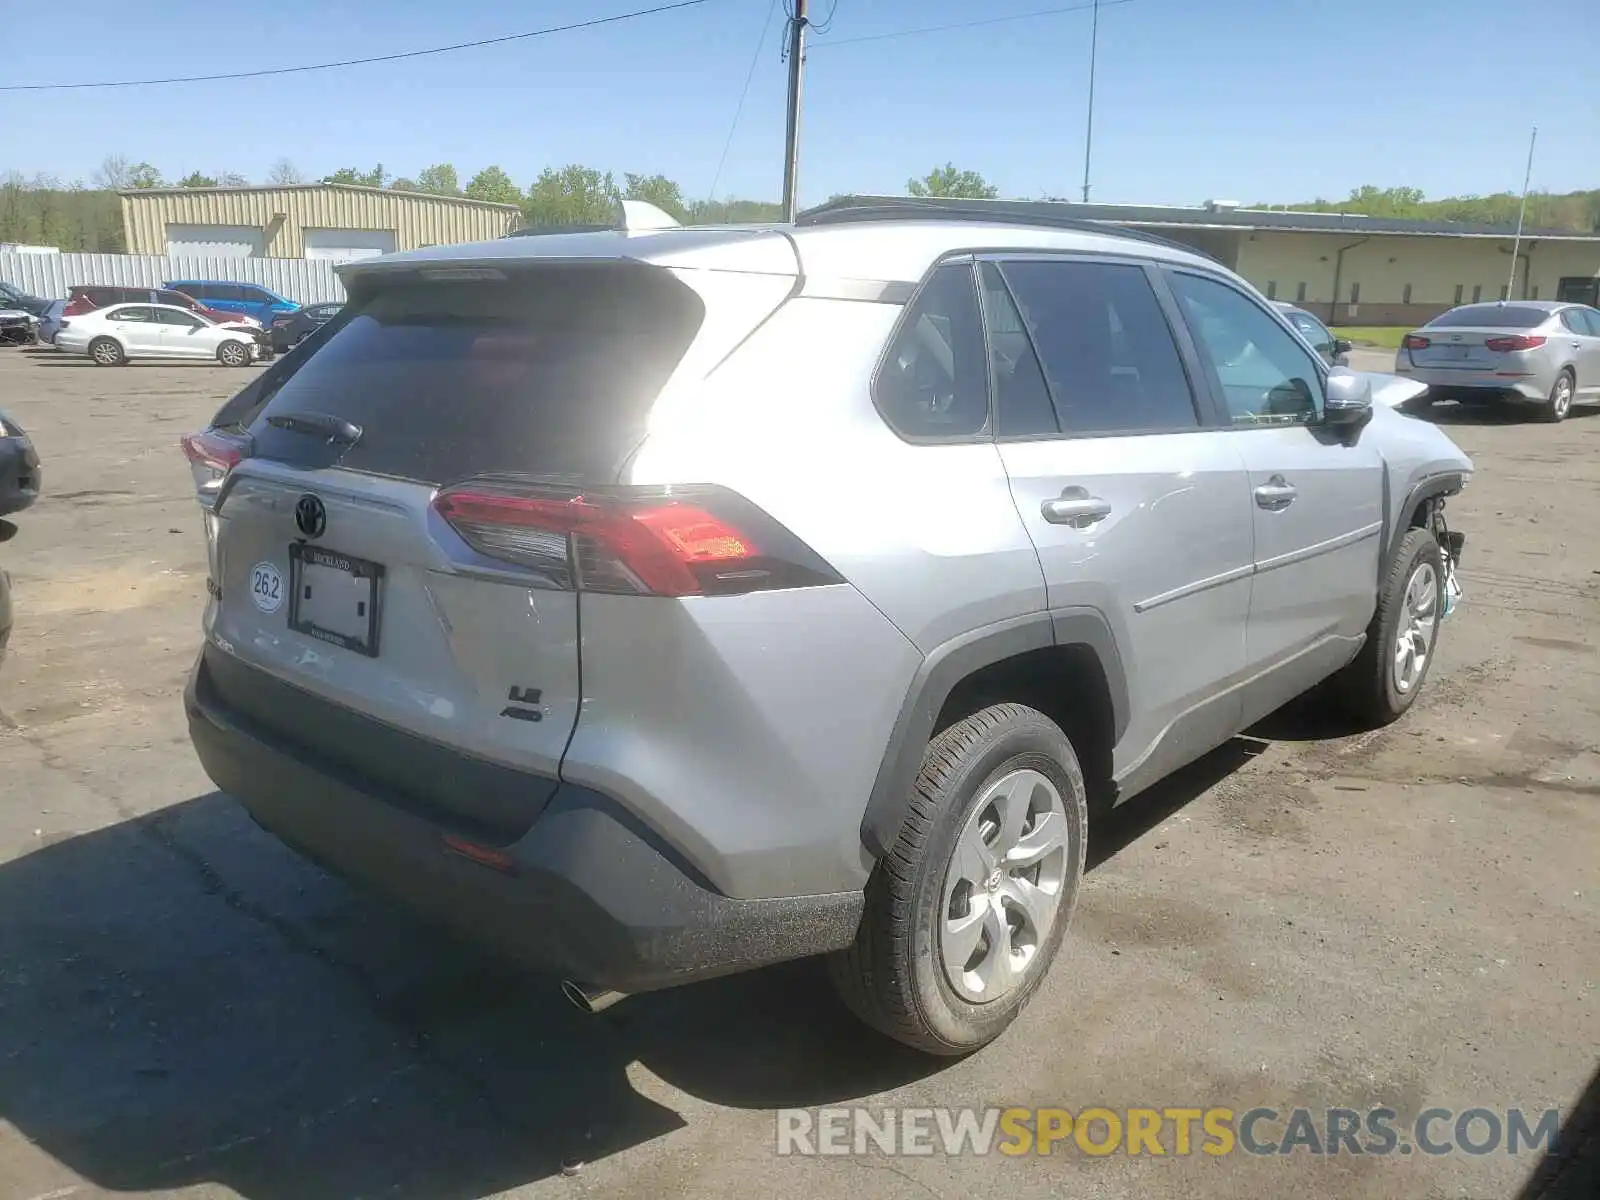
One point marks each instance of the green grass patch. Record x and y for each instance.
(1386, 337)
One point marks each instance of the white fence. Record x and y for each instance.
(305, 281)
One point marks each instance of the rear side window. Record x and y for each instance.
(1266, 377)
(934, 383)
(1491, 316)
(551, 372)
(1108, 354)
(130, 312)
(1022, 403)
(198, 291)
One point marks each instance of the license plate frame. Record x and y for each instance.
(301, 555)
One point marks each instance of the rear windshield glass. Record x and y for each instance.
(549, 372)
(1491, 316)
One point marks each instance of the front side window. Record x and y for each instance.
(934, 383)
(1266, 377)
(1109, 359)
(171, 316)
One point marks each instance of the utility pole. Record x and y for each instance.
(1521, 213)
(1088, 129)
(791, 148)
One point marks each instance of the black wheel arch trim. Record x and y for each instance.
(1446, 484)
(947, 666)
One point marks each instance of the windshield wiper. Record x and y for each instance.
(334, 429)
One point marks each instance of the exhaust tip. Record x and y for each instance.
(590, 1000)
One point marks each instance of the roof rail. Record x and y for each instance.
(845, 210)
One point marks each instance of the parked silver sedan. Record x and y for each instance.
(1539, 353)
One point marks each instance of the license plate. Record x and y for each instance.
(1460, 351)
(335, 597)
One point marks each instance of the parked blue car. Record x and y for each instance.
(246, 299)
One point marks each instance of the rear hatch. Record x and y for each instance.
(353, 619)
(1475, 339)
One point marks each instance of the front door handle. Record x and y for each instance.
(1075, 507)
(1275, 494)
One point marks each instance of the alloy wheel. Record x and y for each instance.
(1419, 621)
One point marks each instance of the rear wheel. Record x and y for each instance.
(1559, 404)
(233, 354)
(966, 912)
(107, 352)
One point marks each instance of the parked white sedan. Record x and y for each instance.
(112, 335)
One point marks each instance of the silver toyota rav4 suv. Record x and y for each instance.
(655, 604)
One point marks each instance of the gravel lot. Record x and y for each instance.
(1408, 918)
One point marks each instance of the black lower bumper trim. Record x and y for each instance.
(584, 894)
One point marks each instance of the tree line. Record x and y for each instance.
(1575, 211)
(76, 216)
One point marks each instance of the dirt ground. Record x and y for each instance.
(1409, 918)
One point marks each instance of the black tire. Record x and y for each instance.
(1559, 403)
(106, 352)
(892, 977)
(233, 354)
(1367, 685)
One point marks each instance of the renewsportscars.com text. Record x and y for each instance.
(1179, 1132)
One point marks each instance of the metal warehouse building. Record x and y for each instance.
(1359, 270)
(335, 222)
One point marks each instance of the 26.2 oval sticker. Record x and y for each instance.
(266, 587)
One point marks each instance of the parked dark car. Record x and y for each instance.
(18, 327)
(1335, 351)
(290, 329)
(19, 468)
(240, 299)
(15, 297)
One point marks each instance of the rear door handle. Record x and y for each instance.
(1276, 493)
(1075, 507)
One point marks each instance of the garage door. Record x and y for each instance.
(220, 241)
(347, 245)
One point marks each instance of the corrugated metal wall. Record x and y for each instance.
(50, 275)
(416, 218)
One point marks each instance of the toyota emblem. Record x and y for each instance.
(310, 516)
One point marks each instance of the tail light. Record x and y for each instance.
(1516, 341)
(211, 456)
(679, 541)
(1415, 341)
(77, 306)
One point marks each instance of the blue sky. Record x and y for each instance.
(1276, 100)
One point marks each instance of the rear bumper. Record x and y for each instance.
(589, 893)
(1446, 384)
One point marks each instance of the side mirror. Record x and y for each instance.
(1341, 345)
(1348, 398)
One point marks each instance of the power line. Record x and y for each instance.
(359, 62)
(738, 109)
(1027, 16)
